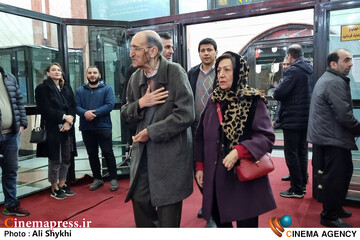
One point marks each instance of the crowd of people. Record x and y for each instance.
(194, 124)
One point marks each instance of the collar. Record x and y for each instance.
(347, 79)
(161, 75)
(206, 73)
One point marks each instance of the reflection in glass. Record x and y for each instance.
(343, 18)
(27, 52)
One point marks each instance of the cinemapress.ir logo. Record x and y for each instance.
(277, 224)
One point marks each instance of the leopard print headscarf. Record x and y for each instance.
(238, 99)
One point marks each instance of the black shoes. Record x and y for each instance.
(286, 178)
(291, 194)
(334, 223)
(344, 213)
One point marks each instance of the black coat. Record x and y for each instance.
(52, 105)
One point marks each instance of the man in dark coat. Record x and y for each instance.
(332, 128)
(160, 102)
(294, 94)
(13, 121)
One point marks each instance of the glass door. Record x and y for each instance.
(105, 47)
(339, 27)
(174, 30)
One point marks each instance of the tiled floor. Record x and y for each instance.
(32, 174)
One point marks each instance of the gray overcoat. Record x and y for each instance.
(169, 150)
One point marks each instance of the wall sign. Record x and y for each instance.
(350, 32)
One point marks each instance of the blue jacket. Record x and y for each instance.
(100, 99)
(294, 93)
(16, 101)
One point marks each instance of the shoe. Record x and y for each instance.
(291, 194)
(286, 178)
(200, 213)
(58, 194)
(16, 211)
(344, 213)
(211, 224)
(96, 184)
(304, 189)
(67, 190)
(114, 185)
(334, 223)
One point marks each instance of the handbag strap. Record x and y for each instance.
(35, 125)
(218, 110)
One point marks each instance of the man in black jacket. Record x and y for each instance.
(332, 128)
(13, 121)
(294, 94)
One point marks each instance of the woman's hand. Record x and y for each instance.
(199, 177)
(65, 127)
(69, 119)
(230, 159)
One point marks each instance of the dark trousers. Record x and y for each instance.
(246, 223)
(296, 156)
(337, 172)
(147, 215)
(93, 139)
(9, 167)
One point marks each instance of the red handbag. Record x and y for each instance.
(249, 170)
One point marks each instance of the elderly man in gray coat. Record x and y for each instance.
(160, 102)
(332, 128)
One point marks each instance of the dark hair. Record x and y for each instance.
(207, 41)
(165, 35)
(62, 80)
(93, 66)
(295, 51)
(334, 56)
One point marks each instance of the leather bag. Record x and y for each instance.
(248, 170)
(38, 135)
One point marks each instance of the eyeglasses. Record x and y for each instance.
(136, 49)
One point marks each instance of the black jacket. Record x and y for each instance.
(294, 93)
(193, 74)
(16, 101)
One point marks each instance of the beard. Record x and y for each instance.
(93, 82)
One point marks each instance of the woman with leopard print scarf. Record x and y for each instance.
(235, 124)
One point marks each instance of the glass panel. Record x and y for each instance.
(229, 3)
(5, 60)
(22, 77)
(268, 67)
(347, 18)
(338, 38)
(230, 37)
(129, 10)
(186, 6)
(30, 50)
(27, 46)
(104, 47)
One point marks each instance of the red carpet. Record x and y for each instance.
(107, 209)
